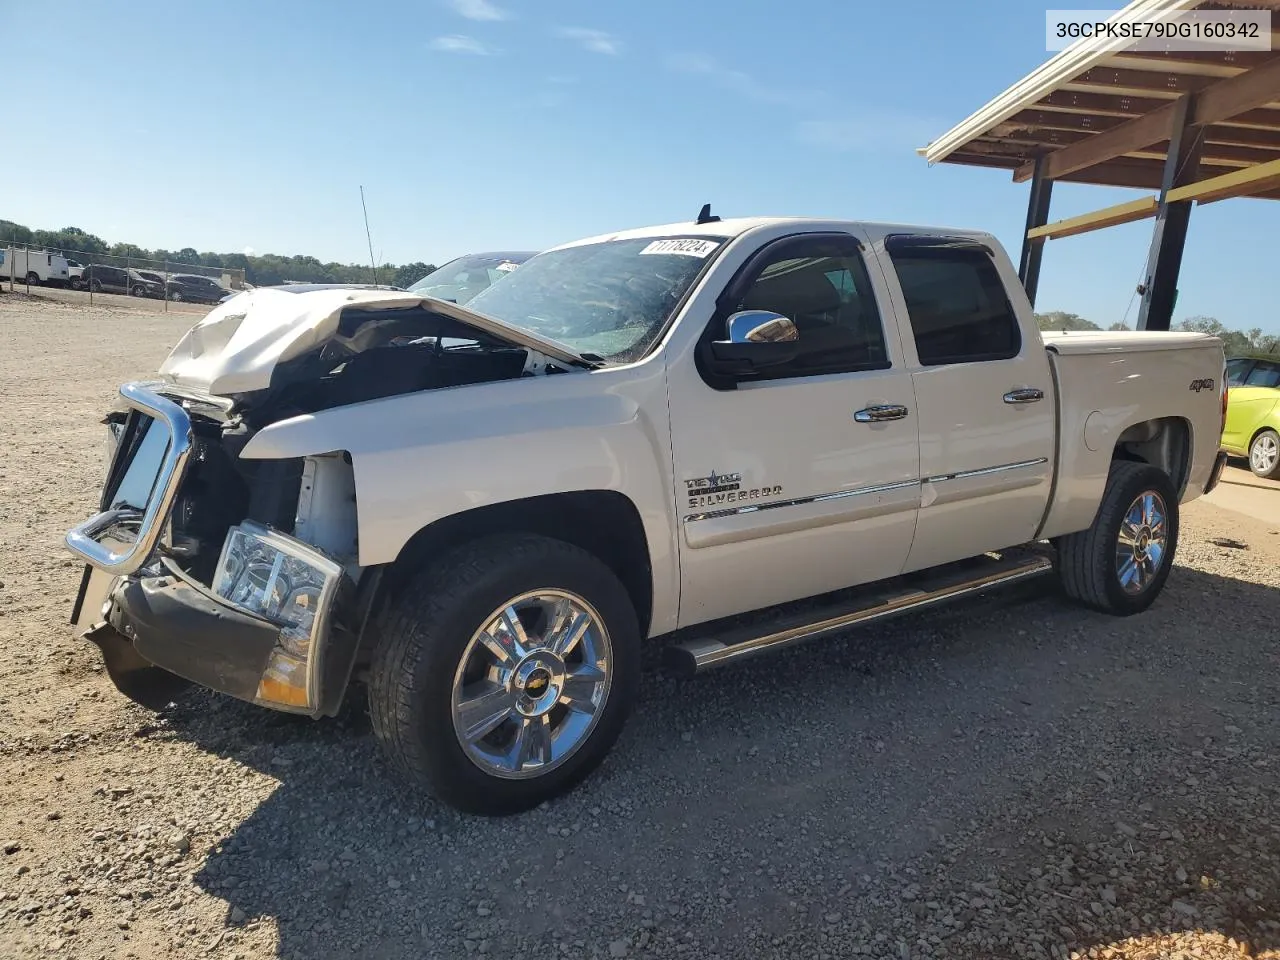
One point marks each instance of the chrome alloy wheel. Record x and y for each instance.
(1140, 548)
(531, 684)
(1264, 453)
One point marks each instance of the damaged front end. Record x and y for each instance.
(243, 574)
(192, 575)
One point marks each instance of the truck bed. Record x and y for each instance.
(1153, 391)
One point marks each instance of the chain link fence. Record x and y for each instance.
(102, 274)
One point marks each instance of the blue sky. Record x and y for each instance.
(478, 124)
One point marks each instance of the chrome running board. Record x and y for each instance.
(875, 602)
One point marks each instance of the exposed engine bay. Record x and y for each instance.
(384, 353)
(373, 353)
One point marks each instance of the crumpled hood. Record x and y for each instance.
(238, 344)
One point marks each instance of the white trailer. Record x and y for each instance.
(33, 266)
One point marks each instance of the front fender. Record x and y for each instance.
(419, 458)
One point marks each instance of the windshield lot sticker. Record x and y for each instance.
(723, 488)
(685, 248)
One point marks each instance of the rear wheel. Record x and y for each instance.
(1264, 455)
(1120, 564)
(33, 279)
(504, 673)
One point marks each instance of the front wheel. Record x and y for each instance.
(1120, 564)
(33, 279)
(504, 673)
(1264, 455)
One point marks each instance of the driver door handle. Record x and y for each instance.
(1024, 395)
(880, 412)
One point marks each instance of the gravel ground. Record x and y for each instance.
(1007, 779)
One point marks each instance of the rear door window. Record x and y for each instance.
(956, 303)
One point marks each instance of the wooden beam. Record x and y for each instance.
(1099, 105)
(1238, 183)
(1077, 101)
(1139, 209)
(1121, 172)
(1116, 142)
(1059, 120)
(1262, 119)
(1218, 101)
(1243, 137)
(1227, 98)
(966, 158)
(1174, 59)
(1170, 83)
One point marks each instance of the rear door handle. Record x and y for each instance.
(880, 412)
(1024, 395)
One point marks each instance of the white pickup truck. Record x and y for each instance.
(483, 512)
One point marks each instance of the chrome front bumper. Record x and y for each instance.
(85, 540)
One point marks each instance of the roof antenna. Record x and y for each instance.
(704, 215)
(368, 236)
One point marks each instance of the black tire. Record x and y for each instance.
(33, 278)
(1087, 561)
(176, 296)
(139, 291)
(1260, 469)
(422, 639)
(95, 286)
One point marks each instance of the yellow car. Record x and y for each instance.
(1253, 414)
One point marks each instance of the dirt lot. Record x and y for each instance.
(1011, 779)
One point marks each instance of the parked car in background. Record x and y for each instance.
(107, 279)
(151, 277)
(33, 266)
(1253, 414)
(461, 279)
(196, 289)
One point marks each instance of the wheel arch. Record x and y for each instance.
(1271, 423)
(605, 523)
(1162, 442)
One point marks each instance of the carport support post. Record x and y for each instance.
(1164, 260)
(1037, 216)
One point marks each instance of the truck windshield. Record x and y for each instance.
(611, 299)
(461, 279)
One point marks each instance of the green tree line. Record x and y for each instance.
(1236, 343)
(259, 269)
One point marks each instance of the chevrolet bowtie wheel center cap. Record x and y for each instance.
(537, 682)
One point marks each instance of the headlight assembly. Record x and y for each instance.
(278, 578)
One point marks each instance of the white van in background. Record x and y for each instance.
(33, 266)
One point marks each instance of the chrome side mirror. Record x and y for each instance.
(757, 340)
(761, 326)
